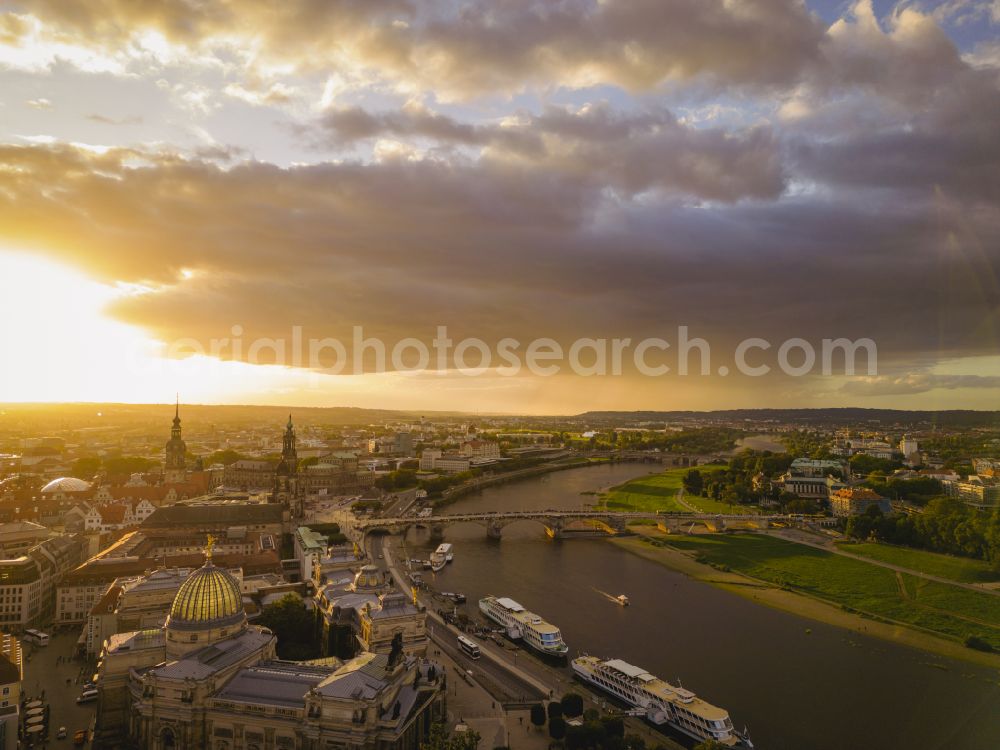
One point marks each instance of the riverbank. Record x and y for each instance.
(458, 492)
(664, 492)
(799, 603)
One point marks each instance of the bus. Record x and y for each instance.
(37, 637)
(470, 648)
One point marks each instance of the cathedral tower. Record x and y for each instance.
(176, 450)
(286, 480)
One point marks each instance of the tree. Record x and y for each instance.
(224, 457)
(572, 705)
(439, 739)
(693, 482)
(554, 709)
(710, 745)
(614, 726)
(128, 464)
(576, 738)
(538, 715)
(557, 727)
(294, 627)
(595, 733)
(85, 467)
(863, 464)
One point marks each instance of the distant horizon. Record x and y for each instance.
(419, 412)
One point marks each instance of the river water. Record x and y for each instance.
(830, 689)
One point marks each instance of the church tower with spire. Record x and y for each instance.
(286, 479)
(176, 450)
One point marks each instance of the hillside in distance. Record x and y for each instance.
(46, 417)
(955, 418)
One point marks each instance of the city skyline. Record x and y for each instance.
(570, 171)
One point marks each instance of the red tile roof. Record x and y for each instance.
(113, 513)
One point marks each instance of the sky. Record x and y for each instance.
(179, 175)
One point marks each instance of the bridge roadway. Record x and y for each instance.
(554, 521)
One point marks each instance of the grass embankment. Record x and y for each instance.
(961, 569)
(650, 494)
(840, 590)
(658, 492)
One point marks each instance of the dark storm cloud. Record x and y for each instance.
(491, 251)
(900, 110)
(597, 146)
(348, 124)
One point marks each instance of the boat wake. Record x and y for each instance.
(610, 597)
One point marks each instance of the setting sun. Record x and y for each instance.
(54, 326)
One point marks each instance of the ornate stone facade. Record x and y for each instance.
(209, 679)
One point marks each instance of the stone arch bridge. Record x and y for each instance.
(563, 524)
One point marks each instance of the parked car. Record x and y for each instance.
(87, 696)
(80, 738)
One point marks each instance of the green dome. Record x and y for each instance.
(209, 597)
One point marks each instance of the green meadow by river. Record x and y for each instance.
(946, 610)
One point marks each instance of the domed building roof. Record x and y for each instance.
(368, 579)
(209, 598)
(65, 484)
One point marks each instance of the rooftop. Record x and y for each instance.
(310, 539)
(283, 684)
(65, 484)
(135, 641)
(195, 515)
(363, 677)
(205, 662)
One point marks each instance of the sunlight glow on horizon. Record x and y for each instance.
(59, 345)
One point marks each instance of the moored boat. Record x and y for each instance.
(661, 702)
(441, 557)
(520, 624)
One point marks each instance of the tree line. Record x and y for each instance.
(946, 525)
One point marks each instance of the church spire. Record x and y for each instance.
(286, 487)
(176, 450)
(288, 443)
